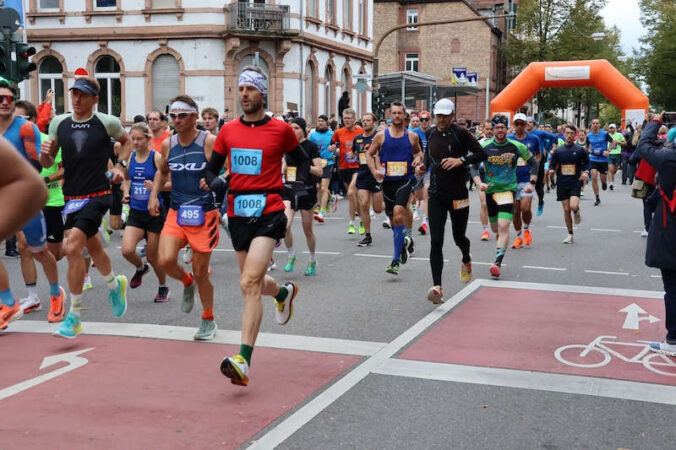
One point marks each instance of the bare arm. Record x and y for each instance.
(119, 172)
(316, 168)
(160, 177)
(372, 152)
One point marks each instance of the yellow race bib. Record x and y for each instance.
(362, 158)
(397, 168)
(568, 169)
(503, 198)
(290, 174)
(325, 162)
(460, 204)
(520, 162)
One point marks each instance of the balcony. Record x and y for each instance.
(259, 19)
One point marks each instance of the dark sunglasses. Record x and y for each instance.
(179, 115)
(6, 98)
(424, 120)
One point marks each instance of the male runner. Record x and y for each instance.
(83, 136)
(569, 161)
(369, 191)
(598, 156)
(399, 152)
(487, 134)
(192, 217)
(422, 187)
(254, 146)
(614, 154)
(321, 136)
(348, 165)
(502, 155)
(547, 142)
(210, 120)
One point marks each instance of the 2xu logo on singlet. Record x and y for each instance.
(191, 167)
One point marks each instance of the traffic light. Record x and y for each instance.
(23, 65)
(5, 59)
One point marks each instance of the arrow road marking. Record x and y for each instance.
(73, 359)
(633, 311)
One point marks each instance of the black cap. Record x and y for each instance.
(139, 118)
(301, 123)
(83, 85)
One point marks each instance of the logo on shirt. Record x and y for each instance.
(190, 167)
(78, 126)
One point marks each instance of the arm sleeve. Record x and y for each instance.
(44, 114)
(214, 166)
(475, 150)
(609, 138)
(553, 160)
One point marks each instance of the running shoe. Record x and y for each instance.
(272, 265)
(553, 184)
(351, 229)
(393, 268)
(663, 347)
(604, 186)
(577, 217)
(422, 229)
(87, 285)
(548, 189)
(403, 257)
(318, 217)
(311, 268)
(541, 208)
(372, 213)
(386, 223)
(9, 314)
(611, 187)
(30, 304)
(435, 295)
(486, 235)
(365, 242)
(527, 237)
(568, 239)
(597, 202)
(206, 331)
(12, 254)
(187, 255)
(466, 272)
(644, 233)
(495, 271)
(57, 306)
(410, 247)
(290, 264)
(517, 242)
(362, 230)
(162, 295)
(333, 201)
(284, 309)
(237, 369)
(188, 300)
(137, 279)
(118, 297)
(581, 192)
(70, 328)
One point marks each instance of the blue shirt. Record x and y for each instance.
(598, 143)
(533, 144)
(546, 138)
(25, 137)
(322, 141)
(423, 137)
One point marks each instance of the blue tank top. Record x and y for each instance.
(188, 165)
(138, 173)
(394, 153)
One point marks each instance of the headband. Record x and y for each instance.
(182, 106)
(255, 79)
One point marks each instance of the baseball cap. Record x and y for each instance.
(531, 119)
(424, 115)
(444, 106)
(520, 116)
(612, 125)
(139, 118)
(85, 86)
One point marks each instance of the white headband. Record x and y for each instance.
(182, 106)
(255, 79)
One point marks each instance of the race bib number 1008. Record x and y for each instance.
(246, 161)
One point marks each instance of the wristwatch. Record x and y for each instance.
(532, 182)
(123, 163)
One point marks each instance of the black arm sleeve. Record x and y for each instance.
(475, 150)
(214, 166)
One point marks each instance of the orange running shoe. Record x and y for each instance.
(517, 242)
(527, 237)
(57, 310)
(9, 314)
(486, 235)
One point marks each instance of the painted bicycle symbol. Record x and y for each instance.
(601, 350)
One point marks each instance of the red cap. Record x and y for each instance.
(80, 72)
(424, 115)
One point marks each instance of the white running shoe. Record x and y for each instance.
(568, 239)
(284, 309)
(30, 304)
(187, 255)
(644, 233)
(435, 295)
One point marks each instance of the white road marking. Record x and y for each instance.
(523, 379)
(655, 276)
(559, 227)
(545, 268)
(372, 256)
(603, 272)
(605, 229)
(573, 289)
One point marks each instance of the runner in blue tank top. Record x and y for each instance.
(142, 168)
(399, 152)
(598, 156)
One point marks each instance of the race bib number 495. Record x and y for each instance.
(246, 161)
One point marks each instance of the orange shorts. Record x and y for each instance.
(202, 239)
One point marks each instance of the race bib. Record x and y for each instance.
(325, 162)
(568, 169)
(503, 198)
(460, 204)
(397, 168)
(245, 161)
(74, 206)
(190, 216)
(291, 174)
(139, 191)
(347, 158)
(520, 162)
(250, 205)
(362, 158)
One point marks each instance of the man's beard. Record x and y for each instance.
(254, 107)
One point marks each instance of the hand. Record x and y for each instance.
(351, 155)
(660, 117)
(420, 170)
(126, 198)
(606, 153)
(204, 185)
(483, 186)
(584, 176)
(148, 184)
(528, 189)
(379, 176)
(49, 96)
(154, 206)
(48, 147)
(450, 163)
(118, 176)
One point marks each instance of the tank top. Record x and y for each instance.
(138, 173)
(397, 155)
(188, 165)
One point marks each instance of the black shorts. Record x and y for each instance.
(243, 230)
(301, 197)
(326, 171)
(365, 181)
(495, 211)
(116, 206)
(144, 221)
(566, 192)
(601, 167)
(396, 193)
(54, 221)
(166, 201)
(346, 175)
(88, 219)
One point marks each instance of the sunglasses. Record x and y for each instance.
(424, 120)
(6, 98)
(519, 123)
(182, 115)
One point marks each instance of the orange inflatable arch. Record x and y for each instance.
(598, 73)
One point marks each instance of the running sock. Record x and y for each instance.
(75, 304)
(291, 252)
(518, 233)
(246, 351)
(110, 279)
(141, 268)
(53, 289)
(162, 285)
(187, 279)
(484, 227)
(281, 295)
(526, 226)
(32, 290)
(398, 235)
(208, 314)
(351, 222)
(313, 256)
(6, 297)
(500, 253)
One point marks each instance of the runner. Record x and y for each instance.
(192, 218)
(321, 136)
(522, 207)
(423, 184)
(143, 165)
(483, 212)
(614, 154)
(369, 191)
(547, 142)
(300, 193)
(82, 135)
(399, 152)
(570, 162)
(598, 157)
(584, 143)
(348, 165)
(501, 183)
(254, 145)
(446, 159)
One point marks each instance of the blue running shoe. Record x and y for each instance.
(70, 328)
(541, 207)
(118, 297)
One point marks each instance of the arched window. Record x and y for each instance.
(248, 60)
(50, 74)
(329, 92)
(309, 92)
(166, 82)
(107, 73)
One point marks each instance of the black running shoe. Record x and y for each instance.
(137, 279)
(365, 242)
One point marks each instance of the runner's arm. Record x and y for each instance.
(119, 171)
(160, 176)
(372, 152)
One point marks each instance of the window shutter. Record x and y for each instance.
(166, 84)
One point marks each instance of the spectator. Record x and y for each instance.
(343, 104)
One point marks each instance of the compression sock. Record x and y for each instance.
(500, 253)
(53, 289)
(75, 304)
(246, 351)
(208, 314)
(6, 297)
(187, 279)
(398, 235)
(291, 252)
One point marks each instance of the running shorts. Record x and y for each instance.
(346, 175)
(88, 219)
(301, 199)
(566, 192)
(202, 239)
(54, 221)
(396, 193)
(521, 190)
(615, 159)
(243, 230)
(504, 210)
(326, 171)
(601, 167)
(365, 181)
(145, 221)
(36, 233)
(116, 206)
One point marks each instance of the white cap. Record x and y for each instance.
(444, 106)
(520, 116)
(612, 125)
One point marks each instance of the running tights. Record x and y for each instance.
(437, 212)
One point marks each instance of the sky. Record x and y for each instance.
(625, 14)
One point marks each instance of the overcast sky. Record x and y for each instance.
(625, 14)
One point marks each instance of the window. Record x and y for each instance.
(347, 14)
(411, 62)
(312, 8)
(309, 92)
(329, 93)
(50, 76)
(106, 3)
(49, 4)
(331, 12)
(362, 18)
(412, 17)
(159, 4)
(166, 84)
(107, 73)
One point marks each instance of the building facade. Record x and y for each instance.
(144, 52)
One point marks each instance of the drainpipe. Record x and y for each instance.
(301, 104)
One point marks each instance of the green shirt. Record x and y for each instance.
(501, 163)
(54, 191)
(619, 138)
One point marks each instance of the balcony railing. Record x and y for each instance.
(258, 18)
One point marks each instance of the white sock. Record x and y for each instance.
(110, 279)
(313, 256)
(484, 227)
(291, 252)
(141, 267)
(351, 222)
(32, 290)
